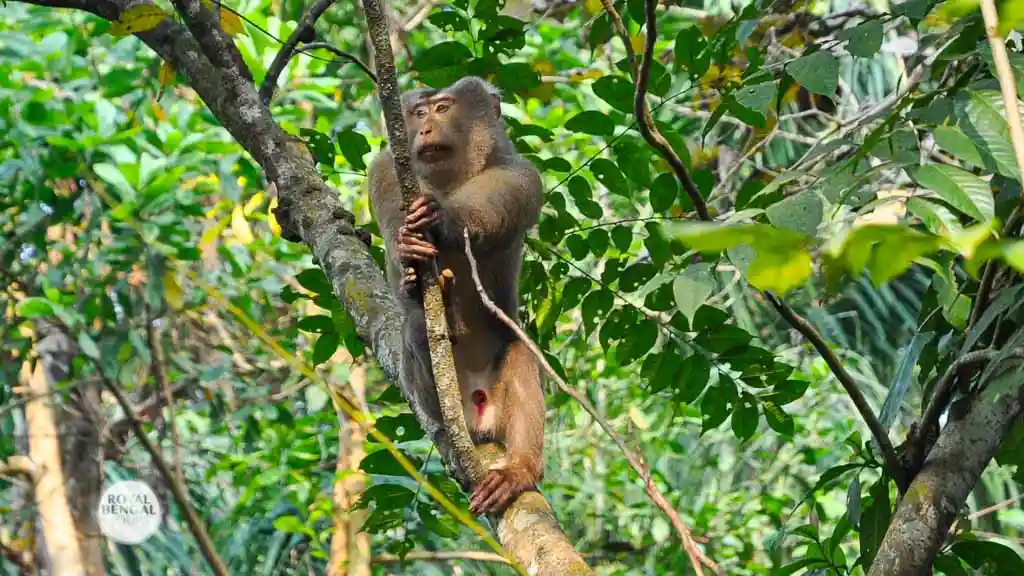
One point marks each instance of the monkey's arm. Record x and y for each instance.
(386, 200)
(498, 206)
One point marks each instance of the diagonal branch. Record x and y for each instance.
(195, 525)
(636, 462)
(303, 30)
(216, 44)
(892, 463)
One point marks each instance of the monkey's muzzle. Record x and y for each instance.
(434, 152)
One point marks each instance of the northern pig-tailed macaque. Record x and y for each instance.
(470, 176)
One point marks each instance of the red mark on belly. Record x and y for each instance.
(479, 403)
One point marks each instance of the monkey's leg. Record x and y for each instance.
(519, 398)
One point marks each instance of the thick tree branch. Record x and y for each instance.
(952, 469)
(303, 30)
(892, 463)
(636, 462)
(645, 123)
(216, 44)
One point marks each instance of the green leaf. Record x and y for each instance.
(949, 565)
(353, 147)
(616, 91)
(622, 238)
(445, 54)
(112, 175)
(577, 246)
(778, 419)
(313, 279)
(325, 347)
(88, 346)
(875, 521)
(745, 417)
(517, 77)
(992, 558)
(692, 288)
(902, 379)
(664, 191)
(320, 145)
(691, 51)
(961, 189)
(591, 122)
(953, 140)
(657, 244)
(609, 175)
(817, 72)
(437, 522)
(289, 524)
(382, 462)
(801, 213)
(598, 240)
(982, 117)
(696, 371)
(757, 97)
(938, 219)
(595, 306)
(34, 307)
(864, 39)
(318, 323)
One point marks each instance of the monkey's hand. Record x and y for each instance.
(413, 247)
(500, 487)
(423, 213)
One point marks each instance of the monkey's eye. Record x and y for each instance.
(420, 112)
(442, 108)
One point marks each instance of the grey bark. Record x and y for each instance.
(952, 469)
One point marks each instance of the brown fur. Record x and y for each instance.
(481, 183)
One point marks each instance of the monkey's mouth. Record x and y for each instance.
(433, 152)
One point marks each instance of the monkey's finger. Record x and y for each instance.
(416, 254)
(420, 202)
(418, 241)
(497, 499)
(484, 491)
(420, 220)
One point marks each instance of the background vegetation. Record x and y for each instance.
(856, 157)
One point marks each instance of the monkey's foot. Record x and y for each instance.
(412, 247)
(446, 279)
(409, 282)
(499, 488)
(423, 213)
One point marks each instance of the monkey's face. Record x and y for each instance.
(434, 133)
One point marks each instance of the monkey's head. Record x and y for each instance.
(453, 131)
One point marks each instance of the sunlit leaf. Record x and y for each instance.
(692, 288)
(240, 226)
(961, 189)
(138, 18)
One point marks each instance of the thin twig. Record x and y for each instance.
(697, 556)
(892, 463)
(645, 123)
(341, 54)
(195, 526)
(620, 29)
(304, 28)
(944, 388)
(159, 368)
(470, 555)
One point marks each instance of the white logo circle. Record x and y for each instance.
(129, 512)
